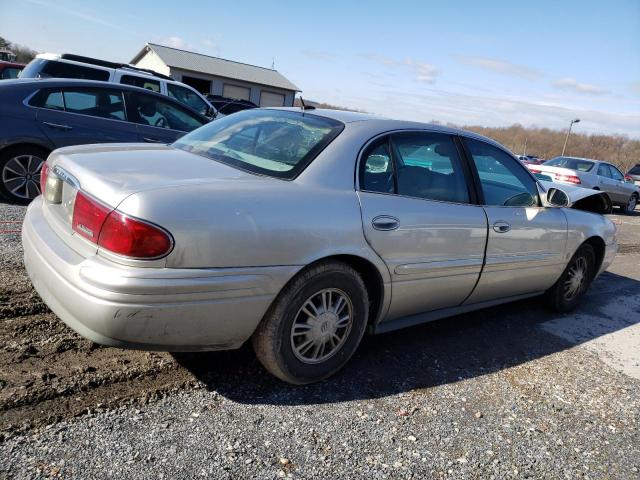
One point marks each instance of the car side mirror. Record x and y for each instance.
(557, 198)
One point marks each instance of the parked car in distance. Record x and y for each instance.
(293, 228)
(227, 106)
(9, 70)
(67, 65)
(530, 159)
(38, 116)
(633, 175)
(596, 174)
(7, 55)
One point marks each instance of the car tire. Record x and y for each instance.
(17, 162)
(567, 292)
(630, 207)
(281, 340)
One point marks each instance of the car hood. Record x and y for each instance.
(582, 198)
(112, 172)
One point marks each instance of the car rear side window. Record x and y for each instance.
(616, 174)
(141, 82)
(268, 142)
(428, 166)
(504, 180)
(47, 98)
(603, 170)
(376, 175)
(96, 102)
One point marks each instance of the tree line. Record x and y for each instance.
(23, 54)
(546, 143)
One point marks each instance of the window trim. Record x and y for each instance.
(464, 162)
(476, 175)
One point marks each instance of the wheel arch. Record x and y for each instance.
(26, 144)
(599, 246)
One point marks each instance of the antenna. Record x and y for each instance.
(273, 63)
(303, 107)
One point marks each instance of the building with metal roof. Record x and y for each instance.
(263, 86)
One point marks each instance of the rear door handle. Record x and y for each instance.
(152, 140)
(501, 227)
(385, 222)
(58, 126)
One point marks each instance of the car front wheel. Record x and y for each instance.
(315, 325)
(631, 204)
(568, 291)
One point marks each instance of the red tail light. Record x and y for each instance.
(44, 173)
(117, 232)
(131, 237)
(534, 170)
(627, 178)
(567, 178)
(88, 216)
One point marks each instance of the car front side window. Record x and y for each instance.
(155, 112)
(504, 181)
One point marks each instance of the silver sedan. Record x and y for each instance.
(300, 230)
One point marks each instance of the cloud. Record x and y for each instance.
(573, 85)
(176, 42)
(381, 59)
(424, 72)
(500, 66)
(75, 13)
(209, 43)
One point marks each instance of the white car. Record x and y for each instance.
(52, 65)
(594, 174)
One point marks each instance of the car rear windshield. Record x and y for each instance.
(635, 170)
(269, 142)
(572, 163)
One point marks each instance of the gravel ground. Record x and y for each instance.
(507, 392)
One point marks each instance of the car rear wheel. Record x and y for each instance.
(568, 291)
(631, 204)
(315, 325)
(20, 173)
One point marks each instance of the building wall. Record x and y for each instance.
(152, 61)
(218, 82)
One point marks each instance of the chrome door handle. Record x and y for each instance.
(152, 140)
(501, 227)
(385, 222)
(58, 126)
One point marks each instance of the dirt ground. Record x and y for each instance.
(49, 373)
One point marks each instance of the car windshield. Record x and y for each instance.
(268, 142)
(572, 163)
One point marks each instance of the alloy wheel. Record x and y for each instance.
(633, 201)
(576, 279)
(321, 326)
(21, 176)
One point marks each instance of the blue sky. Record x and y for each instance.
(538, 63)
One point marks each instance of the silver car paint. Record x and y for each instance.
(229, 224)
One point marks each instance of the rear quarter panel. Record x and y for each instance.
(584, 225)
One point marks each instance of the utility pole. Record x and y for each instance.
(577, 120)
(524, 151)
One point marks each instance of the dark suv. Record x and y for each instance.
(38, 116)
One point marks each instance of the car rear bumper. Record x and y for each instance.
(147, 308)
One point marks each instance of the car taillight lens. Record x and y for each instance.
(534, 170)
(627, 178)
(568, 178)
(117, 232)
(88, 217)
(131, 237)
(44, 173)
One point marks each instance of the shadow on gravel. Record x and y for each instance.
(437, 353)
